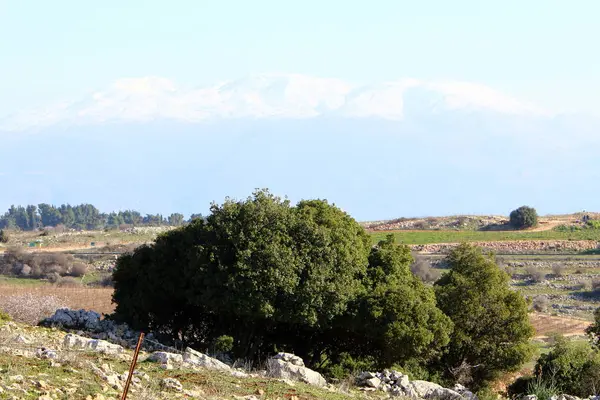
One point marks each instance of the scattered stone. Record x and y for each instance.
(21, 339)
(397, 384)
(171, 384)
(100, 346)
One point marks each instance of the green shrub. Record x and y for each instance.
(3, 236)
(491, 323)
(4, 317)
(487, 393)
(346, 365)
(543, 389)
(570, 367)
(223, 344)
(593, 224)
(523, 217)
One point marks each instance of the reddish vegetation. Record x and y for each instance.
(97, 299)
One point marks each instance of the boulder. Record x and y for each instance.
(464, 392)
(165, 358)
(196, 358)
(278, 368)
(290, 358)
(83, 343)
(433, 391)
(373, 382)
(66, 318)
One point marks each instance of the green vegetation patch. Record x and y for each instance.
(429, 237)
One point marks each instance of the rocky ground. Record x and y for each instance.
(470, 222)
(446, 223)
(517, 246)
(50, 363)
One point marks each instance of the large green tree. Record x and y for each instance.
(523, 217)
(301, 278)
(491, 326)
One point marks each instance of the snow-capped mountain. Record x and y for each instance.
(382, 150)
(271, 96)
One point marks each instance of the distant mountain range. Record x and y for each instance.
(403, 148)
(271, 96)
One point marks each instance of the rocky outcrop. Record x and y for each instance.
(516, 246)
(289, 366)
(397, 384)
(193, 357)
(83, 343)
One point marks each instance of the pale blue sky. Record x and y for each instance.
(543, 51)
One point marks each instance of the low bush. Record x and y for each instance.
(535, 274)
(558, 270)
(541, 304)
(18, 262)
(593, 224)
(78, 269)
(3, 236)
(4, 317)
(542, 389)
(570, 367)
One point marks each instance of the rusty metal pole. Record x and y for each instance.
(132, 366)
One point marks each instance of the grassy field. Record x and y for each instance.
(428, 237)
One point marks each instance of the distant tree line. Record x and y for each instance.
(83, 216)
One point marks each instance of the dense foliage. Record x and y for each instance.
(83, 216)
(274, 276)
(491, 326)
(523, 217)
(571, 367)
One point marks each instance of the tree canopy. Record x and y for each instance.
(524, 217)
(273, 276)
(83, 216)
(491, 326)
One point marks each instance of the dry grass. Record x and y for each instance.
(97, 299)
(546, 325)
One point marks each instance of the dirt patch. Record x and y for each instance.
(546, 325)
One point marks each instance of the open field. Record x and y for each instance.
(79, 240)
(89, 298)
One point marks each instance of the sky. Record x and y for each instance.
(541, 51)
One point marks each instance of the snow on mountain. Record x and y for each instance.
(290, 96)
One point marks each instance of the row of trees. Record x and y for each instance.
(267, 276)
(83, 216)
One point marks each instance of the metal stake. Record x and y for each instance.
(132, 366)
